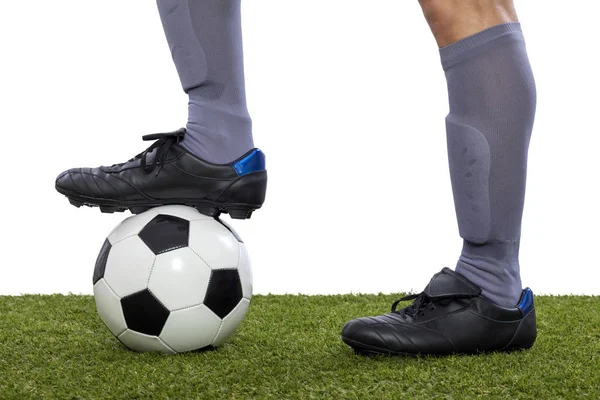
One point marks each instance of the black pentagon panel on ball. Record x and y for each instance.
(224, 291)
(165, 233)
(101, 261)
(144, 313)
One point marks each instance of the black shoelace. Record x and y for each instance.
(421, 304)
(164, 142)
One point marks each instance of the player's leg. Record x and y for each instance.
(492, 106)
(211, 164)
(482, 305)
(451, 21)
(205, 38)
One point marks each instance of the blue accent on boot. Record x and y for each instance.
(254, 161)
(526, 304)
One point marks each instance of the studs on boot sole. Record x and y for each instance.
(138, 210)
(210, 211)
(240, 214)
(76, 203)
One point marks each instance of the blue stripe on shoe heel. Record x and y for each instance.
(526, 304)
(254, 161)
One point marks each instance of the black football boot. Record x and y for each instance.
(166, 173)
(449, 316)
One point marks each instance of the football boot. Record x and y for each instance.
(166, 173)
(450, 316)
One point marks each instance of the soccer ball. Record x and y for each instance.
(172, 280)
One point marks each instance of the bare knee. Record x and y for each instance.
(453, 20)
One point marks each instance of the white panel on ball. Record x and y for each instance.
(231, 322)
(109, 308)
(214, 243)
(191, 328)
(245, 271)
(179, 279)
(144, 343)
(183, 212)
(128, 266)
(131, 226)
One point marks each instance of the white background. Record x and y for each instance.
(348, 101)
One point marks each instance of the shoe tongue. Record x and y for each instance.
(447, 283)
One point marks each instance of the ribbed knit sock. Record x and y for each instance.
(492, 107)
(205, 38)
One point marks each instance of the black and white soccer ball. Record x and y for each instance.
(172, 280)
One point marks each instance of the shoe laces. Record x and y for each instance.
(422, 303)
(164, 142)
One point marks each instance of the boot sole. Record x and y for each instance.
(369, 350)
(205, 207)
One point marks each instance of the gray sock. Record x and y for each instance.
(205, 38)
(492, 107)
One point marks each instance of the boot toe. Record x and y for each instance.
(65, 182)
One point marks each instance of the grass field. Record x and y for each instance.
(288, 347)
